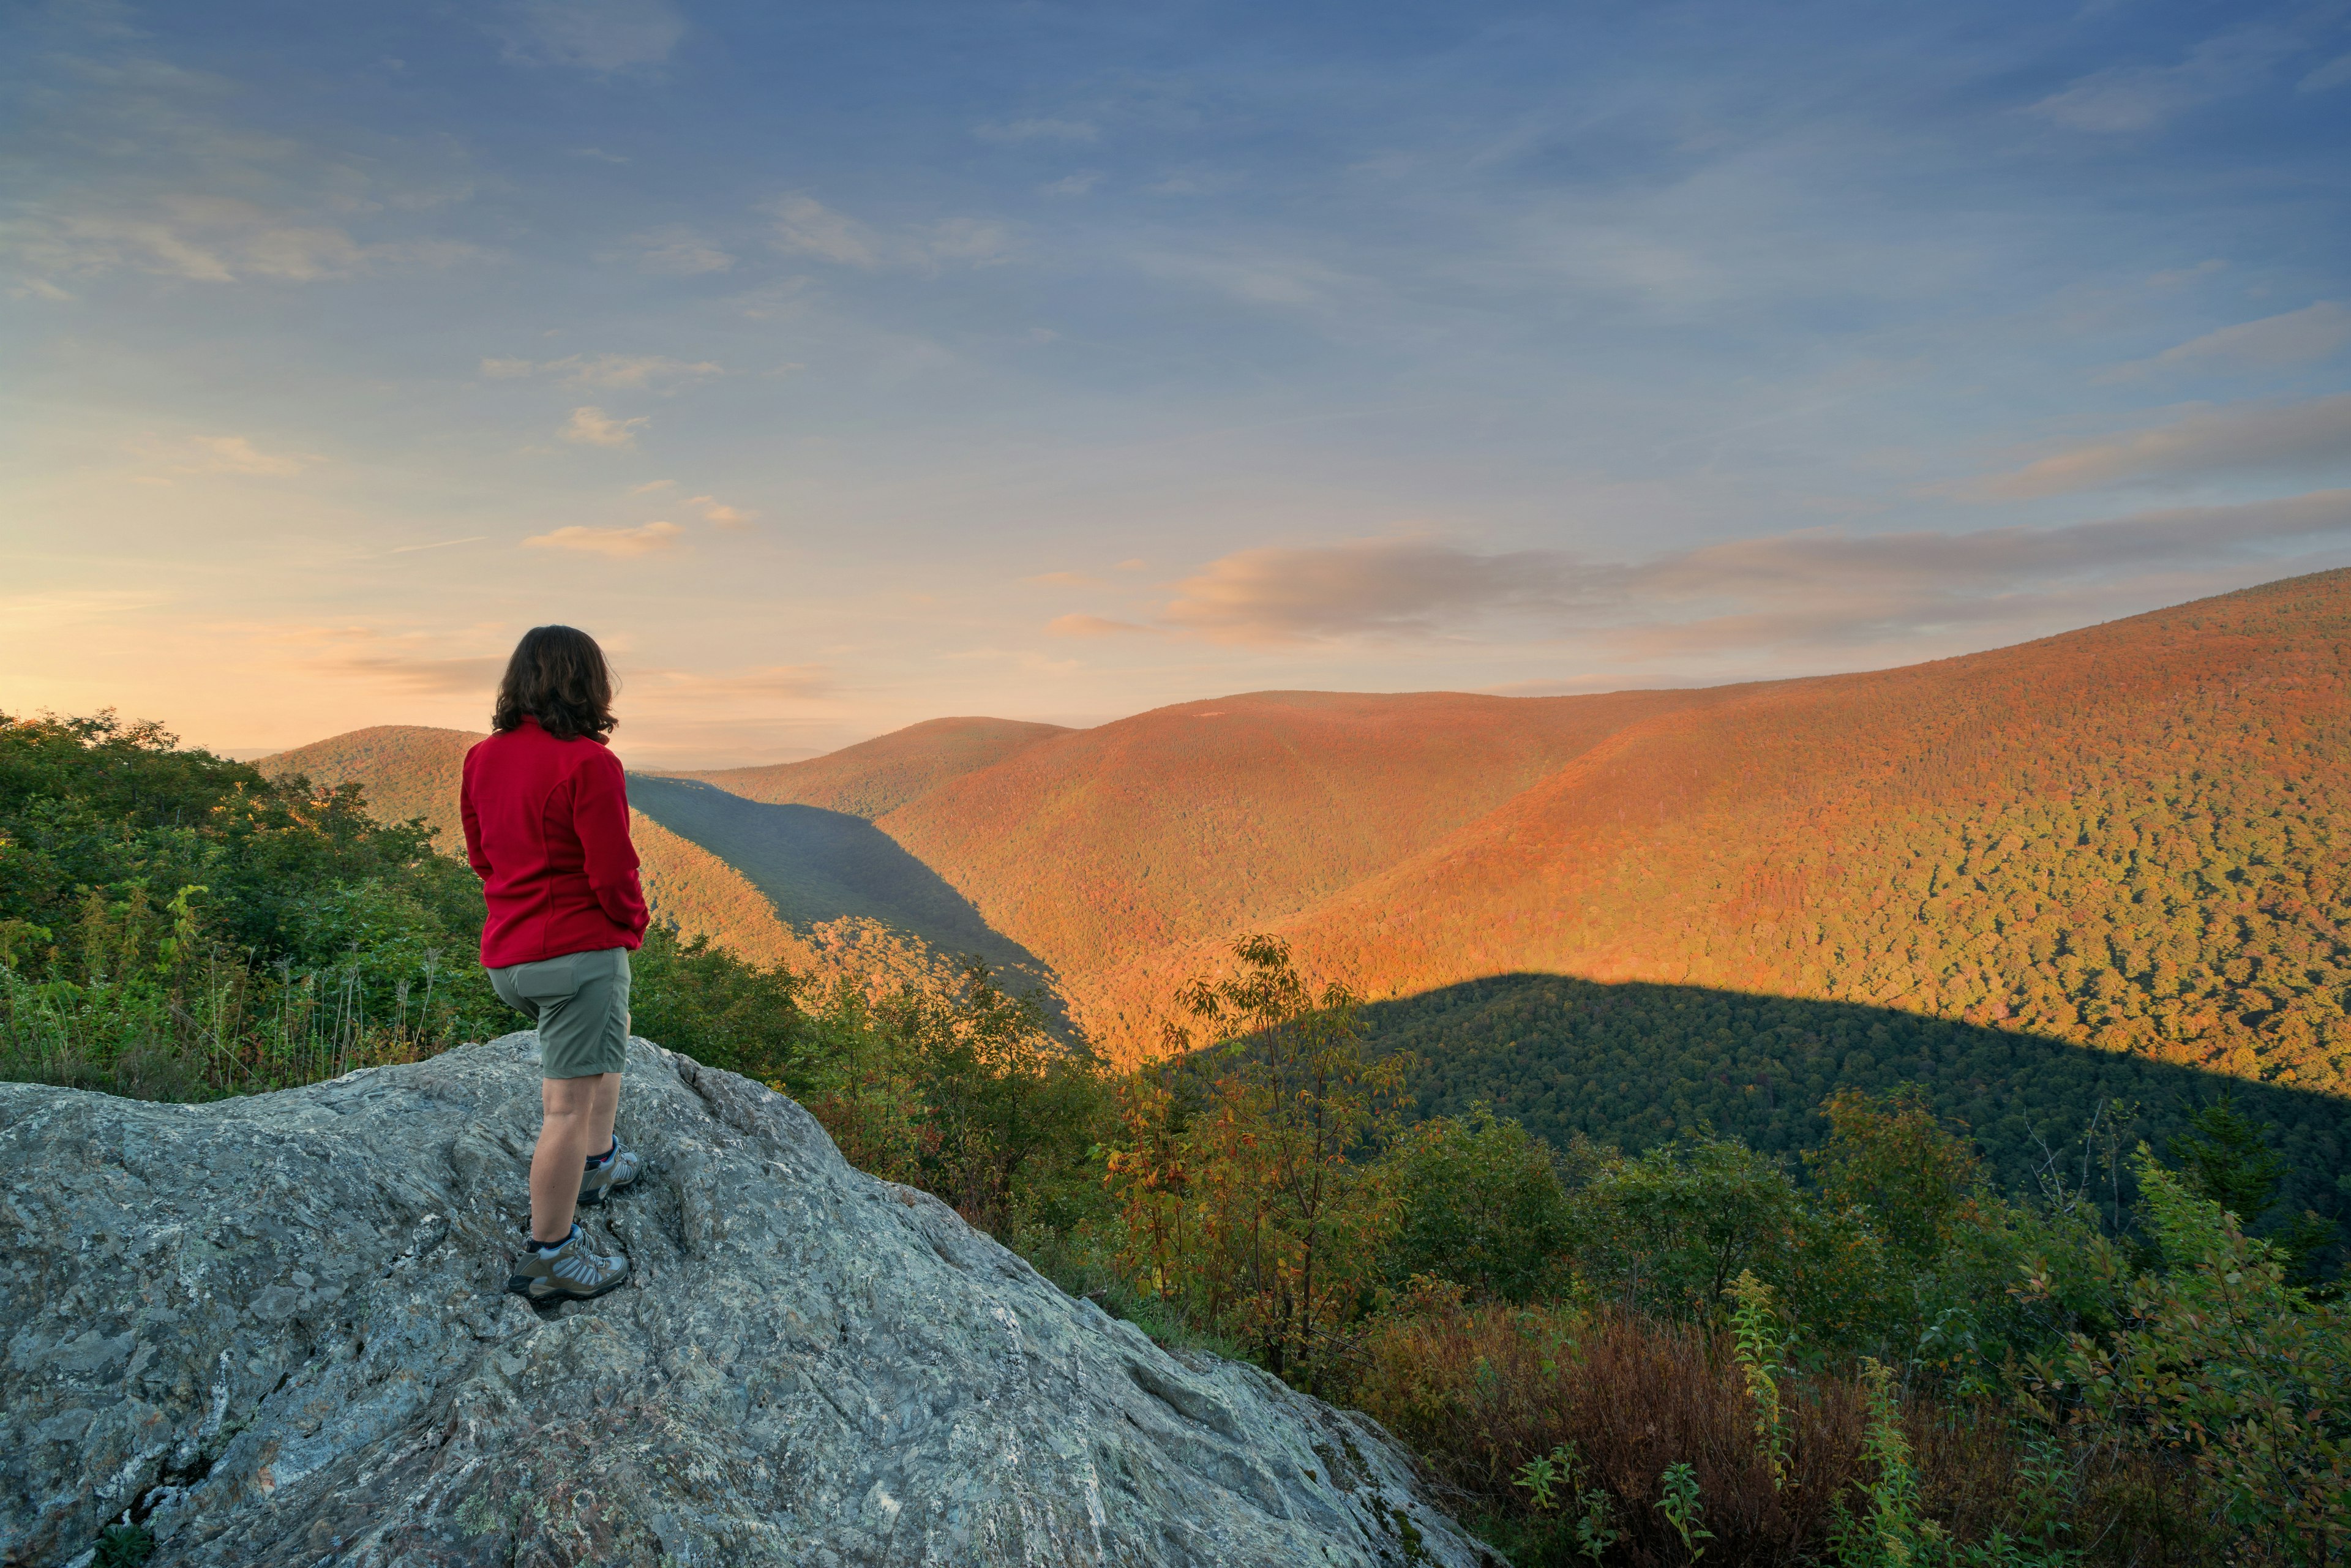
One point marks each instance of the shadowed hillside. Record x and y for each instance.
(879, 774)
(829, 872)
(2131, 836)
(1636, 1064)
(826, 894)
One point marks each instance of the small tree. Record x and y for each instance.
(1258, 1206)
(2225, 1157)
(2220, 1358)
(1479, 1203)
(1890, 1156)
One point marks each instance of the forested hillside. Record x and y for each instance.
(1114, 852)
(2128, 839)
(2131, 838)
(408, 772)
(879, 774)
(1636, 1065)
(1593, 1349)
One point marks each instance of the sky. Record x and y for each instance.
(841, 366)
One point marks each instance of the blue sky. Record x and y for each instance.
(844, 366)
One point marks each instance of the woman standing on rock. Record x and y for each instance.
(546, 829)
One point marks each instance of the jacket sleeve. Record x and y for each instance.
(473, 821)
(599, 815)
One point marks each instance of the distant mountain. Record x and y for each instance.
(2131, 839)
(812, 889)
(409, 771)
(878, 775)
(406, 770)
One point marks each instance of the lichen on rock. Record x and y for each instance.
(273, 1330)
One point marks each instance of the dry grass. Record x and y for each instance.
(1481, 1390)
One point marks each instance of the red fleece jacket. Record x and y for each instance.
(546, 828)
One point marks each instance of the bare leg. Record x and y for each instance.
(577, 1127)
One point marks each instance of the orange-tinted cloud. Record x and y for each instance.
(621, 544)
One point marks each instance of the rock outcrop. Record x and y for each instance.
(271, 1329)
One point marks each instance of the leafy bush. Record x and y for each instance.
(173, 924)
(2221, 1360)
(1479, 1202)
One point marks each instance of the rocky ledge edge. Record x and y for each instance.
(272, 1330)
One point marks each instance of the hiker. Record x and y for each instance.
(546, 829)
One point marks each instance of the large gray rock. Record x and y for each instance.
(273, 1328)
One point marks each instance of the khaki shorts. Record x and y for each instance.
(580, 1003)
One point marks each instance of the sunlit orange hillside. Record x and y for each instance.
(2126, 836)
(2131, 837)
(879, 774)
(1107, 850)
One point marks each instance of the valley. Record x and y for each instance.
(2121, 848)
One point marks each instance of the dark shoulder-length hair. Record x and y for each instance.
(558, 676)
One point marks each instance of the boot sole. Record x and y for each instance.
(519, 1285)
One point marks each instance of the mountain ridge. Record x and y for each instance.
(1975, 837)
(874, 776)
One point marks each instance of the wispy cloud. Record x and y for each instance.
(594, 428)
(437, 544)
(785, 680)
(719, 514)
(1819, 591)
(2313, 333)
(806, 226)
(2333, 74)
(407, 661)
(1810, 590)
(238, 454)
(1078, 184)
(1983, 559)
(1261, 277)
(676, 252)
(1383, 587)
(215, 239)
(1037, 130)
(657, 373)
(1093, 626)
(2124, 98)
(2181, 276)
(598, 36)
(58, 609)
(620, 544)
(2233, 438)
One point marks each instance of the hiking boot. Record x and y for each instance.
(608, 1175)
(566, 1273)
